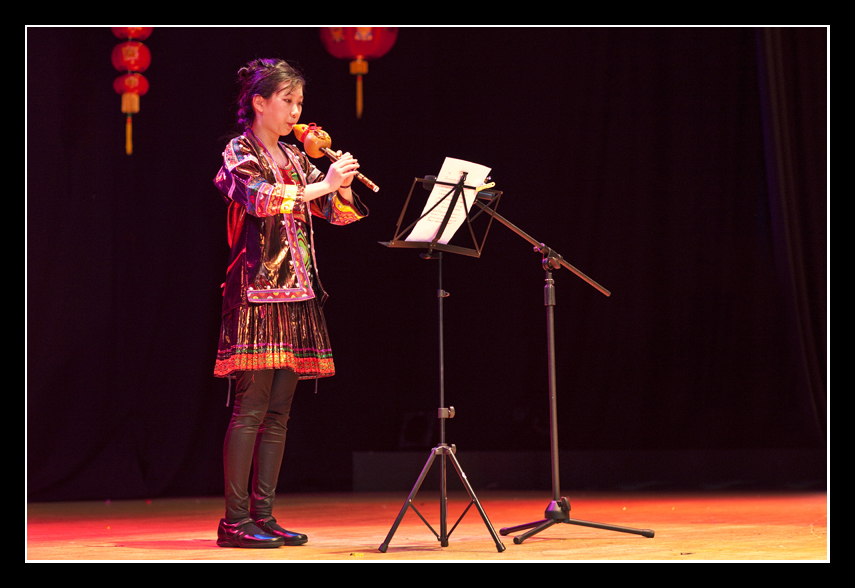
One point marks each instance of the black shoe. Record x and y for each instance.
(271, 527)
(244, 533)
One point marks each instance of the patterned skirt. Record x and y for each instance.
(279, 335)
(286, 335)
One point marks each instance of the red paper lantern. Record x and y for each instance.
(359, 44)
(132, 83)
(131, 57)
(131, 86)
(139, 33)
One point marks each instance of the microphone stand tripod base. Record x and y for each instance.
(558, 511)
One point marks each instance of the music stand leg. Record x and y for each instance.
(474, 500)
(443, 451)
(409, 502)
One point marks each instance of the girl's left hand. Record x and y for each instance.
(342, 171)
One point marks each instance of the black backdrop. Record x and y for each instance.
(682, 168)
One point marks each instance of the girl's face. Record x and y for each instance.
(279, 113)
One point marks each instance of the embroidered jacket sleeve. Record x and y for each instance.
(241, 179)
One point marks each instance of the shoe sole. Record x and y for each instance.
(226, 543)
(296, 543)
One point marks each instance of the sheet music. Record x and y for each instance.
(427, 227)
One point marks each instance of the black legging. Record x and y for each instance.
(256, 435)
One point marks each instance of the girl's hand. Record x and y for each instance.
(342, 172)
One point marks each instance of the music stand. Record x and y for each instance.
(558, 510)
(443, 450)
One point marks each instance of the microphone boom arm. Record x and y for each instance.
(550, 256)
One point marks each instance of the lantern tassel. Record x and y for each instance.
(359, 97)
(129, 147)
(359, 67)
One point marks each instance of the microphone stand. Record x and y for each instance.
(558, 510)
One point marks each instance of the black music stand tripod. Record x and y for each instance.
(558, 510)
(443, 450)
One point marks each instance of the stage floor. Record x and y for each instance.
(351, 527)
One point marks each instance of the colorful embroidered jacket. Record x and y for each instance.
(267, 263)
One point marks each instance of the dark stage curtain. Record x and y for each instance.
(684, 169)
(794, 102)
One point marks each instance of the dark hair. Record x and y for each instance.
(263, 77)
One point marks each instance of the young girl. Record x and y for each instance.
(273, 331)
